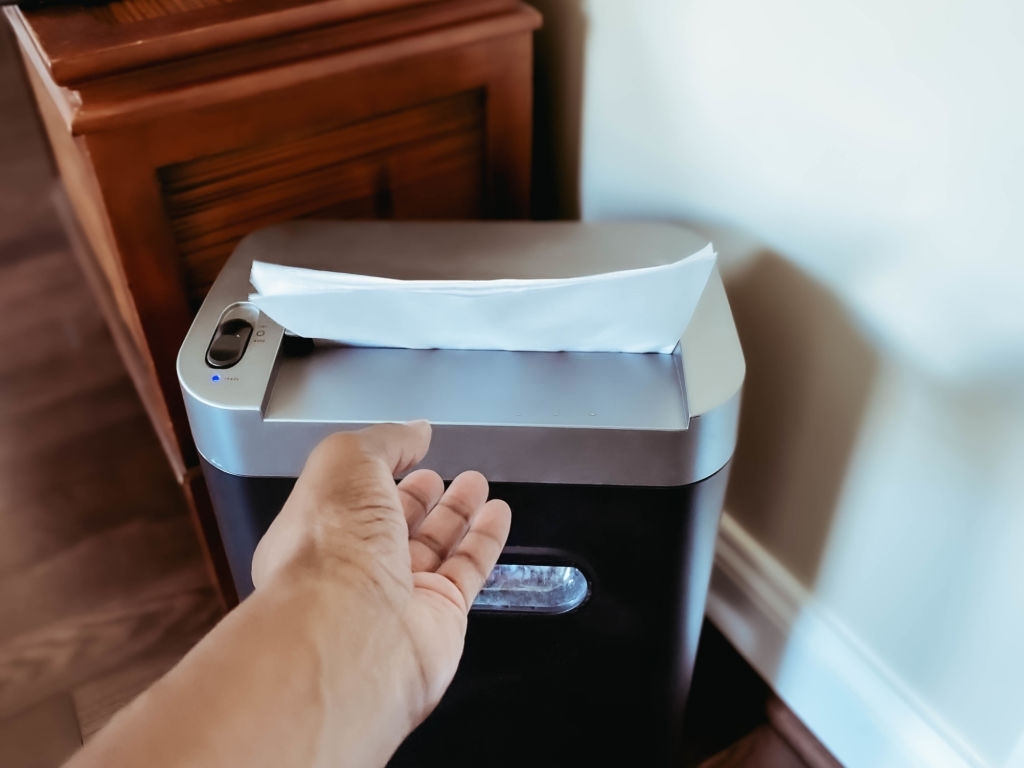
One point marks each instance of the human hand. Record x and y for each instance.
(405, 561)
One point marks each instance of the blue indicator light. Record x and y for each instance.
(215, 377)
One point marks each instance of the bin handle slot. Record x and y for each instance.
(534, 582)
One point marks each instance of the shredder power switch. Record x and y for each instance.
(229, 343)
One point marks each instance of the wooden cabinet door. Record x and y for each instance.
(426, 161)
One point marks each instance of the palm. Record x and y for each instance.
(454, 538)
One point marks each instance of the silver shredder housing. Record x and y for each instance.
(614, 465)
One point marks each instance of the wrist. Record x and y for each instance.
(362, 664)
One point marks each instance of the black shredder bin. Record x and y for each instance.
(581, 647)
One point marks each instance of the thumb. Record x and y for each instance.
(399, 446)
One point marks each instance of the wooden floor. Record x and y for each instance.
(101, 583)
(102, 587)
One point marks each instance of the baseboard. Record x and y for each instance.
(847, 697)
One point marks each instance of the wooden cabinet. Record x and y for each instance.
(178, 126)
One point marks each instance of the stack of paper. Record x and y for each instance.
(640, 310)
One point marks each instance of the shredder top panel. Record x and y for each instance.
(582, 417)
(587, 390)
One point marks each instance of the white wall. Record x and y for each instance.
(860, 165)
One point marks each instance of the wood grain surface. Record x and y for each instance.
(127, 34)
(214, 201)
(100, 568)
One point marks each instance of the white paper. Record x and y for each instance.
(640, 310)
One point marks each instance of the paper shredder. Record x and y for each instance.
(581, 648)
